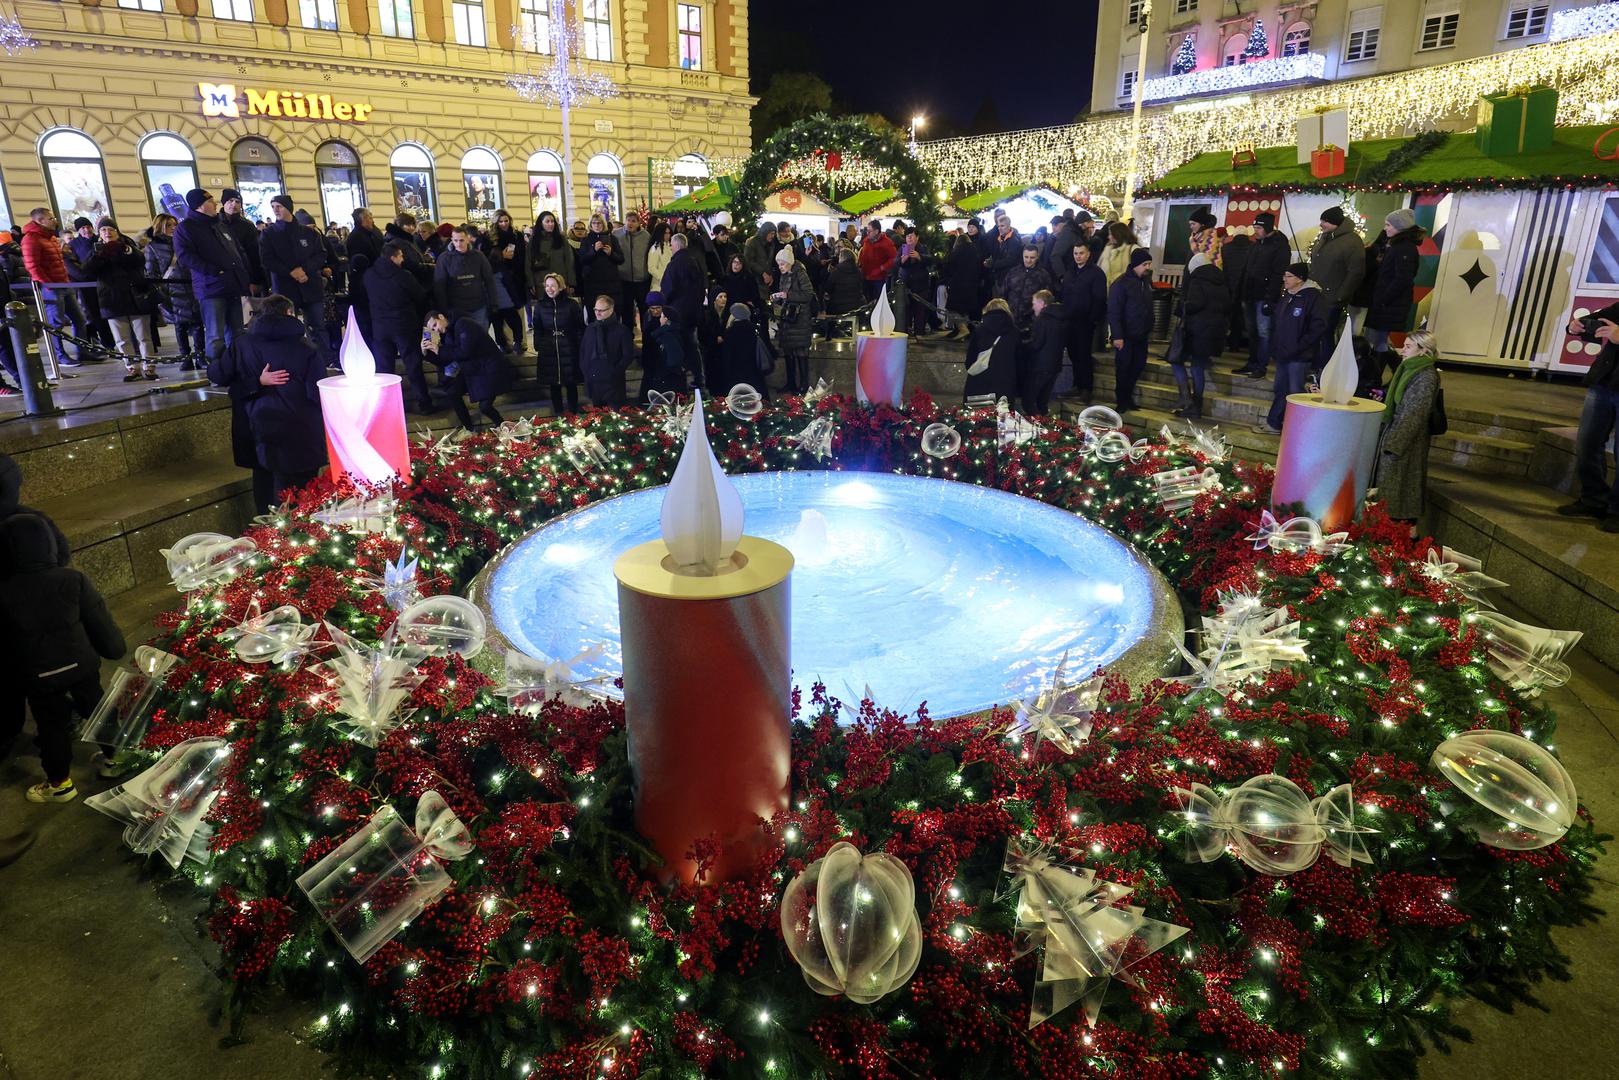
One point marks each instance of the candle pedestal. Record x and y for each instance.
(1326, 458)
(879, 368)
(707, 700)
(365, 427)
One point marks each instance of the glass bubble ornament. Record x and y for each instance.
(204, 559)
(441, 625)
(850, 922)
(940, 441)
(744, 402)
(1268, 822)
(1525, 797)
(1099, 418)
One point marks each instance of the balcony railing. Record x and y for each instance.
(1224, 80)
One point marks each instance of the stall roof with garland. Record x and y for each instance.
(861, 201)
(704, 200)
(1435, 160)
(995, 196)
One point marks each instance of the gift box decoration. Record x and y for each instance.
(120, 719)
(1327, 161)
(1517, 122)
(166, 807)
(1327, 126)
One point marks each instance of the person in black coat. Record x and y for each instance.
(559, 325)
(711, 337)
(1392, 292)
(1047, 335)
(741, 286)
(963, 279)
(844, 291)
(294, 256)
(599, 260)
(219, 274)
(1129, 317)
(1262, 290)
(1234, 258)
(739, 355)
(119, 271)
(283, 413)
(606, 352)
(397, 298)
(402, 230)
(915, 270)
(682, 288)
(245, 232)
(1205, 314)
(470, 364)
(1083, 293)
(996, 334)
(507, 253)
(1301, 325)
(365, 238)
(55, 630)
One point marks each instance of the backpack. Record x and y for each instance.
(1438, 423)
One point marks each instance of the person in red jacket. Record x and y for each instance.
(877, 258)
(42, 255)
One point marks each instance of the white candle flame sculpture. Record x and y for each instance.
(882, 316)
(1339, 377)
(702, 513)
(364, 413)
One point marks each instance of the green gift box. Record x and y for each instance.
(1516, 122)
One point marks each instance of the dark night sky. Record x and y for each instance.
(939, 57)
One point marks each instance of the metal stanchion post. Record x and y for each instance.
(36, 389)
(53, 370)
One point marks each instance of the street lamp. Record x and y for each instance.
(918, 122)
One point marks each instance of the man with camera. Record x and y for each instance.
(1598, 497)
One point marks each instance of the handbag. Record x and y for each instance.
(503, 296)
(981, 365)
(763, 358)
(1176, 353)
(1438, 422)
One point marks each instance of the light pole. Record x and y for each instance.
(1131, 174)
(918, 122)
(562, 81)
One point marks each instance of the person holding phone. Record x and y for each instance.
(1599, 497)
(507, 253)
(470, 362)
(599, 260)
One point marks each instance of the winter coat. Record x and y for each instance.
(484, 368)
(1362, 297)
(598, 270)
(1300, 324)
(463, 284)
(798, 319)
(877, 258)
(1262, 276)
(1060, 250)
(288, 435)
(206, 248)
(1392, 294)
(1048, 334)
(1083, 293)
(1402, 448)
(559, 325)
(606, 352)
(1604, 370)
(844, 292)
(551, 257)
(634, 246)
(670, 343)
(10, 503)
(1006, 253)
(683, 286)
(738, 360)
(1238, 250)
(513, 271)
(963, 275)
(759, 260)
(710, 338)
(1337, 263)
(1129, 308)
(42, 253)
(56, 625)
(120, 276)
(1205, 314)
(916, 273)
(1115, 262)
(286, 245)
(1018, 288)
(161, 265)
(246, 235)
(1000, 380)
(657, 261)
(743, 288)
(397, 299)
(367, 242)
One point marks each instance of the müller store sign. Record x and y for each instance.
(223, 99)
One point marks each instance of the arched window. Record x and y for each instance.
(256, 168)
(1233, 51)
(480, 177)
(342, 189)
(75, 174)
(170, 169)
(691, 173)
(606, 179)
(1296, 42)
(412, 168)
(545, 185)
(5, 205)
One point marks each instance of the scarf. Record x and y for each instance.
(1403, 375)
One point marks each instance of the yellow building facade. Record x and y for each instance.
(120, 106)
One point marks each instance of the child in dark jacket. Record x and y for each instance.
(1129, 317)
(55, 630)
(471, 364)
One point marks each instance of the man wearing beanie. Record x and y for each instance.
(294, 255)
(1337, 263)
(246, 234)
(1129, 319)
(79, 250)
(1262, 289)
(219, 276)
(1392, 292)
(1299, 328)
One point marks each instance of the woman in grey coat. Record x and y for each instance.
(795, 327)
(1402, 449)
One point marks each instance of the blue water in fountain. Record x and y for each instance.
(919, 588)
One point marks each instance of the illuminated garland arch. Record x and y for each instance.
(820, 134)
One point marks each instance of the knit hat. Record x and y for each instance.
(106, 223)
(195, 198)
(6, 238)
(1204, 218)
(81, 223)
(654, 299)
(1198, 259)
(284, 200)
(228, 194)
(741, 311)
(1299, 270)
(303, 217)
(1139, 256)
(1402, 219)
(1333, 215)
(784, 257)
(1266, 221)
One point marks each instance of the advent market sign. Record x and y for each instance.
(222, 99)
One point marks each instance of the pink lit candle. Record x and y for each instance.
(365, 416)
(879, 359)
(1329, 442)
